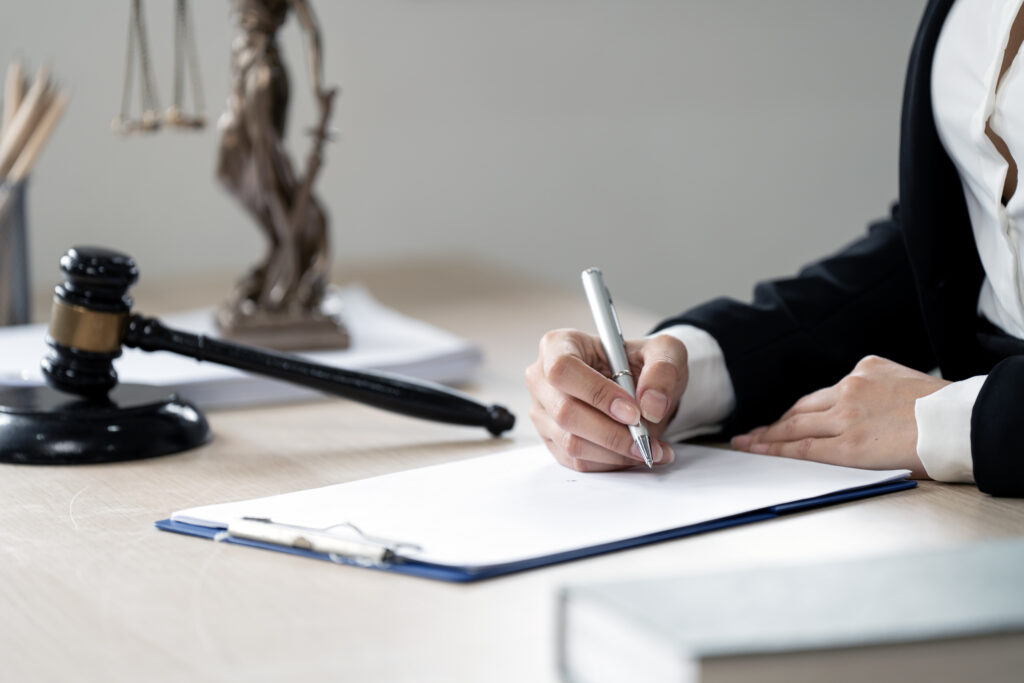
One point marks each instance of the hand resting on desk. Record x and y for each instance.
(865, 420)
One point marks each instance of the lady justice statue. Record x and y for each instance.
(280, 302)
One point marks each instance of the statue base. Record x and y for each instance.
(282, 331)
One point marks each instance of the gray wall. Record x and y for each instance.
(687, 147)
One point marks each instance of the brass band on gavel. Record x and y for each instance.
(80, 328)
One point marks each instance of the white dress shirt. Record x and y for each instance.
(967, 92)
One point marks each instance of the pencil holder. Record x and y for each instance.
(14, 292)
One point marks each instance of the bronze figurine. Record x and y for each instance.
(280, 302)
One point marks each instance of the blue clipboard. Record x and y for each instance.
(465, 574)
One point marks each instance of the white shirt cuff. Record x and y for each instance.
(709, 397)
(944, 430)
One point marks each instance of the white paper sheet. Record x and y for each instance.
(382, 339)
(520, 504)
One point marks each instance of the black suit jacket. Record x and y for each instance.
(907, 291)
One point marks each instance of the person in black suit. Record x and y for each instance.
(830, 364)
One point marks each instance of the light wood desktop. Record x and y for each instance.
(90, 590)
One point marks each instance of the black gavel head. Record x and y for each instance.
(91, 309)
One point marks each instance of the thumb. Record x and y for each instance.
(663, 376)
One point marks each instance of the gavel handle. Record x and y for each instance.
(390, 392)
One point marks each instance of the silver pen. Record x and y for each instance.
(600, 300)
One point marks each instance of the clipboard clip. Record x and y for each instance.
(366, 550)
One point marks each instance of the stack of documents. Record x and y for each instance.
(519, 509)
(382, 340)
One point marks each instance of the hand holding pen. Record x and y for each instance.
(583, 415)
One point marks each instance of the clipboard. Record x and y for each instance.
(348, 524)
(458, 574)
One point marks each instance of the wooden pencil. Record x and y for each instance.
(40, 135)
(14, 92)
(25, 119)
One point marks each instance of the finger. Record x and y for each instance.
(572, 376)
(580, 465)
(667, 456)
(569, 414)
(576, 452)
(577, 446)
(742, 441)
(663, 375)
(581, 427)
(799, 426)
(825, 450)
(664, 455)
(814, 402)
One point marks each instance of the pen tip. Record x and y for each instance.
(644, 442)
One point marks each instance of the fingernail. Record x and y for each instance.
(741, 442)
(625, 411)
(759, 448)
(634, 451)
(654, 405)
(669, 455)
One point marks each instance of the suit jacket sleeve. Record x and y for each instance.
(806, 332)
(996, 430)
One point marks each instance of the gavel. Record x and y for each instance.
(92, 320)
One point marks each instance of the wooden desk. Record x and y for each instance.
(91, 591)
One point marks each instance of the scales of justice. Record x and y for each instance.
(280, 303)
